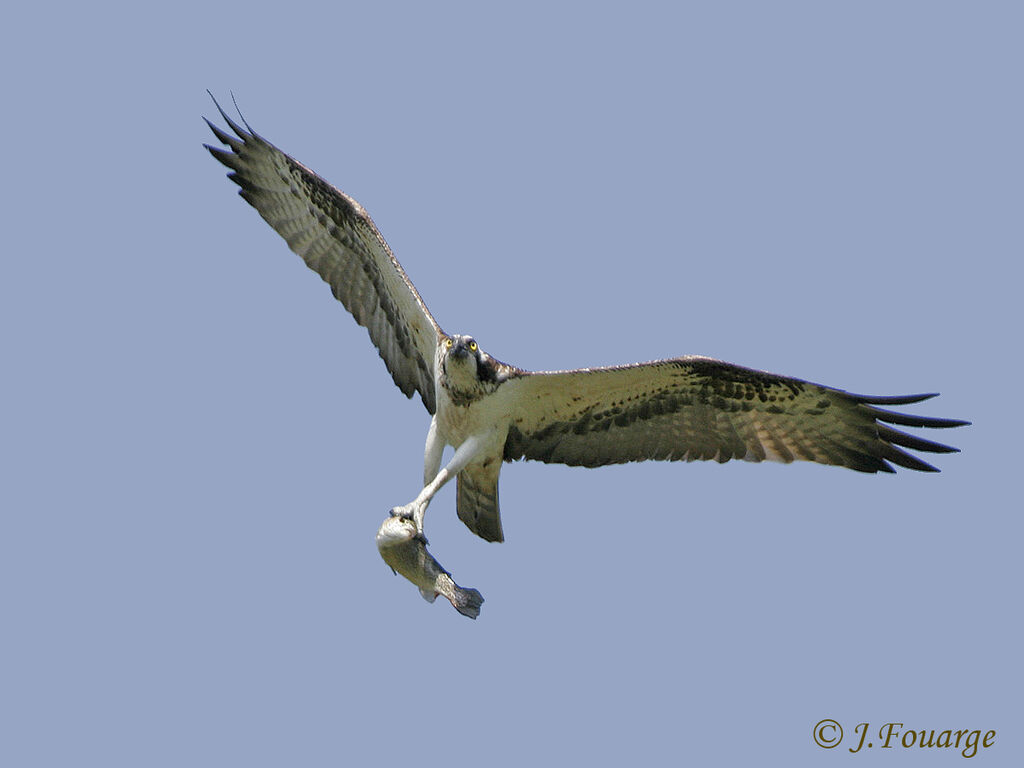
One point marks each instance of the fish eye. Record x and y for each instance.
(472, 346)
(448, 343)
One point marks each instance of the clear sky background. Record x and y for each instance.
(198, 443)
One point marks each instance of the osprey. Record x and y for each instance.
(682, 409)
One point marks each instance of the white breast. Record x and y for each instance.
(490, 413)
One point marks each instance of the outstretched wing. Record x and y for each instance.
(698, 408)
(338, 240)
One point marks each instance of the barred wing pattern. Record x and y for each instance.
(693, 408)
(337, 239)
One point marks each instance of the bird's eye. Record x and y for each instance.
(472, 346)
(448, 343)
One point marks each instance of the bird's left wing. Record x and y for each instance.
(693, 408)
(336, 238)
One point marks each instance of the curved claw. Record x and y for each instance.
(411, 512)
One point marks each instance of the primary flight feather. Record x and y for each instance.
(688, 408)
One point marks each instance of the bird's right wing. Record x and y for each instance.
(693, 408)
(338, 240)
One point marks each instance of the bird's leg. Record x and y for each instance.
(417, 508)
(432, 453)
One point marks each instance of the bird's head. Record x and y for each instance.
(464, 364)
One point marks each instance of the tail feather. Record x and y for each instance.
(477, 499)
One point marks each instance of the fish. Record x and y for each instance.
(405, 551)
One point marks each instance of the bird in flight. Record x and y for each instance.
(681, 409)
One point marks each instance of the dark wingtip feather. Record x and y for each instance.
(903, 459)
(909, 420)
(246, 122)
(224, 157)
(913, 442)
(893, 399)
(890, 441)
(242, 133)
(224, 138)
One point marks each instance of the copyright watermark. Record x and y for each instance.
(828, 734)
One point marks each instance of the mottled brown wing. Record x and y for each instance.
(338, 240)
(477, 499)
(694, 408)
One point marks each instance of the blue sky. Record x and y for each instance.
(199, 443)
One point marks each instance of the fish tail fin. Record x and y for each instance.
(467, 602)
